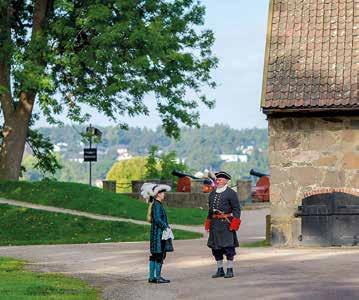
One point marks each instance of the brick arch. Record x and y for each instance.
(318, 191)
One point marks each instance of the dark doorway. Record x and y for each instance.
(330, 219)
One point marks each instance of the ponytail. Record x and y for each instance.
(149, 210)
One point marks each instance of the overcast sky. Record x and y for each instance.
(240, 28)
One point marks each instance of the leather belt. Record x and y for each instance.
(222, 216)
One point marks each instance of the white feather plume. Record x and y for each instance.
(147, 190)
(209, 174)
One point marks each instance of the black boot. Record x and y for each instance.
(229, 273)
(162, 280)
(159, 278)
(220, 273)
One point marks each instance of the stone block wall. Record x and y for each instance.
(307, 156)
(174, 199)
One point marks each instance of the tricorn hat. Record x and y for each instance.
(223, 174)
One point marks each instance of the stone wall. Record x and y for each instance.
(309, 155)
(173, 199)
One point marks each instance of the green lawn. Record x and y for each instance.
(24, 226)
(91, 199)
(17, 284)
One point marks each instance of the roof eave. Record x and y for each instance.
(311, 111)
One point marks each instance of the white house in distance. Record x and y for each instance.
(123, 154)
(234, 157)
(60, 147)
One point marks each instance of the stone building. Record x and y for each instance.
(310, 97)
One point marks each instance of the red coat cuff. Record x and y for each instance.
(207, 224)
(235, 223)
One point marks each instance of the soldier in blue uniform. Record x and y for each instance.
(222, 222)
(161, 235)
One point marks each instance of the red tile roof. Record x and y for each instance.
(312, 55)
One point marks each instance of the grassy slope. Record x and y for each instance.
(91, 199)
(23, 226)
(17, 284)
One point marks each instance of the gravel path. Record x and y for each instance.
(120, 269)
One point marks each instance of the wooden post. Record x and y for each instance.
(244, 190)
(196, 185)
(109, 185)
(268, 230)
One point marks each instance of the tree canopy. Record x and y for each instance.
(125, 171)
(195, 148)
(108, 55)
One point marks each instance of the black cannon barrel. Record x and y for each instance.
(180, 174)
(257, 174)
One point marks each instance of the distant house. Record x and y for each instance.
(123, 154)
(79, 160)
(234, 157)
(60, 147)
(248, 150)
(180, 160)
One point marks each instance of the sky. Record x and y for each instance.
(239, 27)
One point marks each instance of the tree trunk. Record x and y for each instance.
(12, 150)
(17, 117)
(14, 137)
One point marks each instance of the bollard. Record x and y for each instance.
(268, 230)
(196, 185)
(244, 190)
(109, 185)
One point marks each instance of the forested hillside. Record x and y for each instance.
(198, 148)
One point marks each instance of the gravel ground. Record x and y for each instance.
(120, 269)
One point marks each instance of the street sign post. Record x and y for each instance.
(90, 154)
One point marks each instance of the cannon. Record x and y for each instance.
(260, 191)
(185, 182)
(181, 175)
(257, 174)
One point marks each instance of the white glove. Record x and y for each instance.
(167, 234)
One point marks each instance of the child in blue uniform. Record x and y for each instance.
(161, 235)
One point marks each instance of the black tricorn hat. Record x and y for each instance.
(223, 174)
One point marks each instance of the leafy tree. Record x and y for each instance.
(168, 163)
(127, 170)
(31, 173)
(63, 54)
(43, 151)
(152, 165)
(161, 167)
(195, 146)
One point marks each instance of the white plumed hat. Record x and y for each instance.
(149, 189)
(160, 188)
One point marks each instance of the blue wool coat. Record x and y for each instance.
(158, 225)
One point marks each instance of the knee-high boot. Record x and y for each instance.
(152, 270)
(159, 278)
